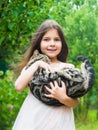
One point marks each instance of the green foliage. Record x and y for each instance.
(1, 73)
(19, 21)
(81, 31)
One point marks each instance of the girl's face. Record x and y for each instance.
(51, 44)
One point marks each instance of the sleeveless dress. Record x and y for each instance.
(35, 115)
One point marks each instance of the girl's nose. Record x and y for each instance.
(52, 42)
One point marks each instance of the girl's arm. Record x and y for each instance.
(59, 93)
(70, 102)
(26, 74)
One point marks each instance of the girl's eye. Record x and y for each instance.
(46, 39)
(57, 39)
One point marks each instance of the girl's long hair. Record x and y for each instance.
(35, 42)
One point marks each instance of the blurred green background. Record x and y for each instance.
(18, 21)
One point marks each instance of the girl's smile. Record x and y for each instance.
(51, 44)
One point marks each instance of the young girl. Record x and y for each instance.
(35, 115)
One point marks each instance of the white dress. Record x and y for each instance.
(35, 115)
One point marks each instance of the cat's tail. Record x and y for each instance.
(88, 71)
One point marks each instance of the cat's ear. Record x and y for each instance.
(36, 53)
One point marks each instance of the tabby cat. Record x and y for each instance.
(78, 81)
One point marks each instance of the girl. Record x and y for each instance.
(35, 115)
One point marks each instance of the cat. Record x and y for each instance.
(78, 81)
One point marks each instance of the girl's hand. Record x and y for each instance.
(56, 92)
(59, 93)
(42, 64)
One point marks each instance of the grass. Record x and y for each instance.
(89, 124)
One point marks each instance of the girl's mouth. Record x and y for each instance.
(51, 50)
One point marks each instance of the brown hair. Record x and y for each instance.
(35, 43)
